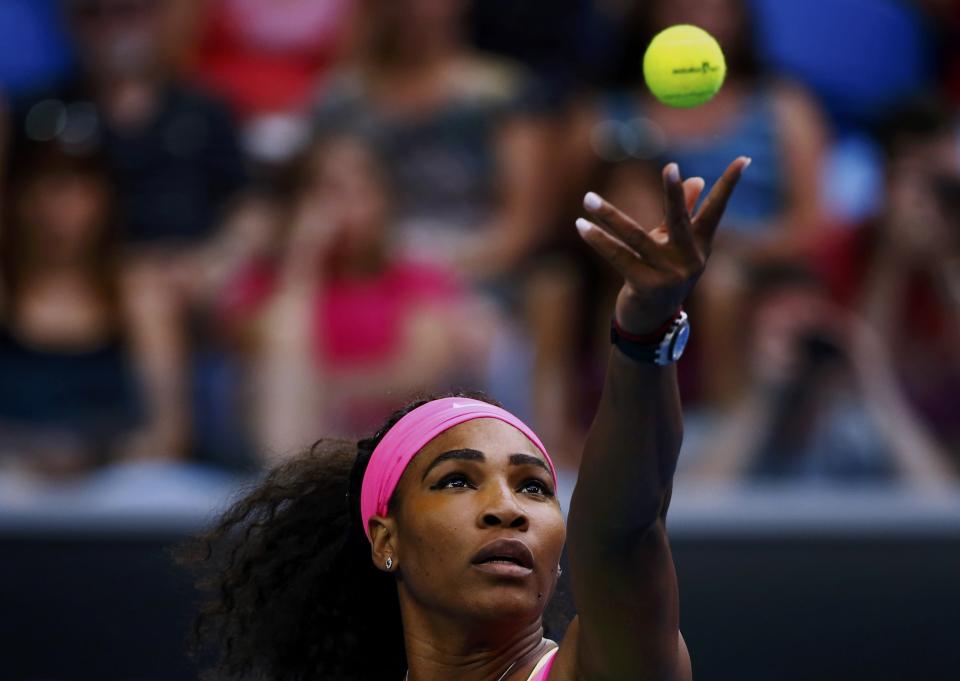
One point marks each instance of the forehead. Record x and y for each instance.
(488, 435)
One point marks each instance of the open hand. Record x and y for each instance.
(660, 266)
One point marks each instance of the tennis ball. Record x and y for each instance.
(684, 66)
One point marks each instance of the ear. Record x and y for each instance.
(383, 534)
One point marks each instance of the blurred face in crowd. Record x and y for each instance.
(64, 215)
(349, 187)
(432, 15)
(923, 186)
(476, 484)
(410, 25)
(118, 37)
(723, 19)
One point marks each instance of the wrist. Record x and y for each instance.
(643, 312)
(661, 347)
(651, 334)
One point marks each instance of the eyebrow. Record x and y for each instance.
(476, 455)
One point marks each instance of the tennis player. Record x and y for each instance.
(430, 551)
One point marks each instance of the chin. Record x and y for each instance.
(497, 602)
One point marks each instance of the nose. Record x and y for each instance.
(501, 509)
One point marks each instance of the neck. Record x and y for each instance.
(440, 648)
(360, 269)
(419, 58)
(435, 49)
(128, 100)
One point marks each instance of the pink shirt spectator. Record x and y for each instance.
(357, 324)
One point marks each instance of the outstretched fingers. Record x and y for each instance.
(623, 258)
(708, 218)
(619, 225)
(675, 208)
(692, 189)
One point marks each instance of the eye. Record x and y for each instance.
(534, 486)
(453, 481)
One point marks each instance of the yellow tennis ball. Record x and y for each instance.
(684, 66)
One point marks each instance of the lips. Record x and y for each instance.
(505, 551)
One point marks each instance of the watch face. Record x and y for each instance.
(680, 342)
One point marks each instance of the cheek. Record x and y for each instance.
(434, 536)
(554, 534)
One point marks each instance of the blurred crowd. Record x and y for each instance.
(231, 227)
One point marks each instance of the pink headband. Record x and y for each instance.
(402, 442)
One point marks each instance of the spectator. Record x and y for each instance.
(822, 404)
(172, 151)
(777, 207)
(267, 59)
(469, 151)
(341, 322)
(467, 160)
(901, 270)
(265, 56)
(71, 395)
(175, 164)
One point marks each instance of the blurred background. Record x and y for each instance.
(231, 227)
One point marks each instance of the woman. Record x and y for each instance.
(467, 150)
(823, 402)
(69, 393)
(344, 324)
(470, 148)
(457, 500)
(900, 269)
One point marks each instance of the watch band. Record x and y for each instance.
(651, 338)
(662, 346)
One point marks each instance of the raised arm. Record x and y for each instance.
(624, 581)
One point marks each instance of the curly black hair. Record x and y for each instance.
(291, 592)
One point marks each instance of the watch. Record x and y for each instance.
(662, 347)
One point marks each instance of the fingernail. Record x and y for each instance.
(584, 225)
(673, 172)
(592, 202)
(747, 164)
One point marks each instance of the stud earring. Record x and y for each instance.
(389, 563)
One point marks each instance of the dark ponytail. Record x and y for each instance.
(291, 592)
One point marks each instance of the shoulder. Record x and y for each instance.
(565, 663)
(563, 666)
(488, 76)
(499, 83)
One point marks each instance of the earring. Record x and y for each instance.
(559, 571)
(389, 563)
